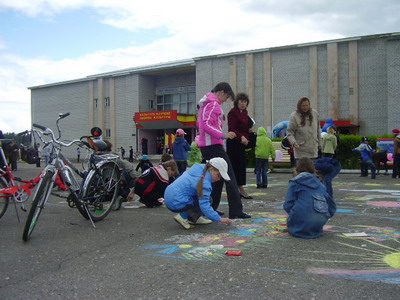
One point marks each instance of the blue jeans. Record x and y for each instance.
(261, 171)
(328, 177)
(369, 163)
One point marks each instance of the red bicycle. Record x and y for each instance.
(11, 187)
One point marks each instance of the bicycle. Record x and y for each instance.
(94, 196)
(11, 187)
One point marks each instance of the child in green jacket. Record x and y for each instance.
(264, 150)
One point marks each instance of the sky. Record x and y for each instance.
(43, 41)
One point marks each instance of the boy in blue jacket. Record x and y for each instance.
(307, 203)
(366, 152)
(180, 149)
(189, 194)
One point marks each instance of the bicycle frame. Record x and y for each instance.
(19, 193)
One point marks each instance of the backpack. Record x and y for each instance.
(28, 154)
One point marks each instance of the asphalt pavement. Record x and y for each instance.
(141, 253)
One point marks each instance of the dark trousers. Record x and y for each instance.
(13, 164)
(396, 166)
(237, 155)
(232, 190)
(364, 168)
(182, 166)
(193, 210)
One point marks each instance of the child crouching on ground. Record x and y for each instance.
(151, 185)
(189, 194)
(308, 204)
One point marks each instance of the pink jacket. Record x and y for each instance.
(210, 121)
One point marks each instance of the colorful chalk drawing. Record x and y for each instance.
(261, 230)
(384, 203)
(373, 261)
(375, 257)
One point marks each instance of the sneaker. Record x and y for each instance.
(201, 221)
(183, 222)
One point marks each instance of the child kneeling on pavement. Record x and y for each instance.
(308, 204)
(151, 185)
(189, 194)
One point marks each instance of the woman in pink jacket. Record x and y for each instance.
(211, 143)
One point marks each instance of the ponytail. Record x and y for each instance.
(200, 182)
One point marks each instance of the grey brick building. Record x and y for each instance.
(355, 81)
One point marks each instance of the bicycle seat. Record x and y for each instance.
(98, 145)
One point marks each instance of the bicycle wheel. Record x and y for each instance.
(117, 203)
(101, 190)
(41, 195)
(3, 200)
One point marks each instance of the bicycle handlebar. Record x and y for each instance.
(49, 131)
(39, 126)
(62, 116)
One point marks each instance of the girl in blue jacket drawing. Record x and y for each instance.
(308, 204)
(189, 194)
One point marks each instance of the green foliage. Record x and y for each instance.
(194, 154)
(13, 136)
(348, 158)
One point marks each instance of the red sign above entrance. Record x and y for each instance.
(156, 115)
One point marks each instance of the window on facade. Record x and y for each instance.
(95, 102)
(107, 101)
(108, 133)
(184, 103)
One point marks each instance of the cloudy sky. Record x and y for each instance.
(44, 41)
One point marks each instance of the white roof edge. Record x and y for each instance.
(347, 39)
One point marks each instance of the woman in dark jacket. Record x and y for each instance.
(238, 122)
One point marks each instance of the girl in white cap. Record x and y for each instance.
(189, 194)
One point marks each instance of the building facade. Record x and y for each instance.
(354, 81)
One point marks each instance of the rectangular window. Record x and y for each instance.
(107, 101)
(184, 103)
(108, 133)
(95, 100)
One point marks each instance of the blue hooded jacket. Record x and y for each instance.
(181, 148)
(309, 206)
(366, 151)
(183, 191)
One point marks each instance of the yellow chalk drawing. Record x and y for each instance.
(241, 241)
(393, 260)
